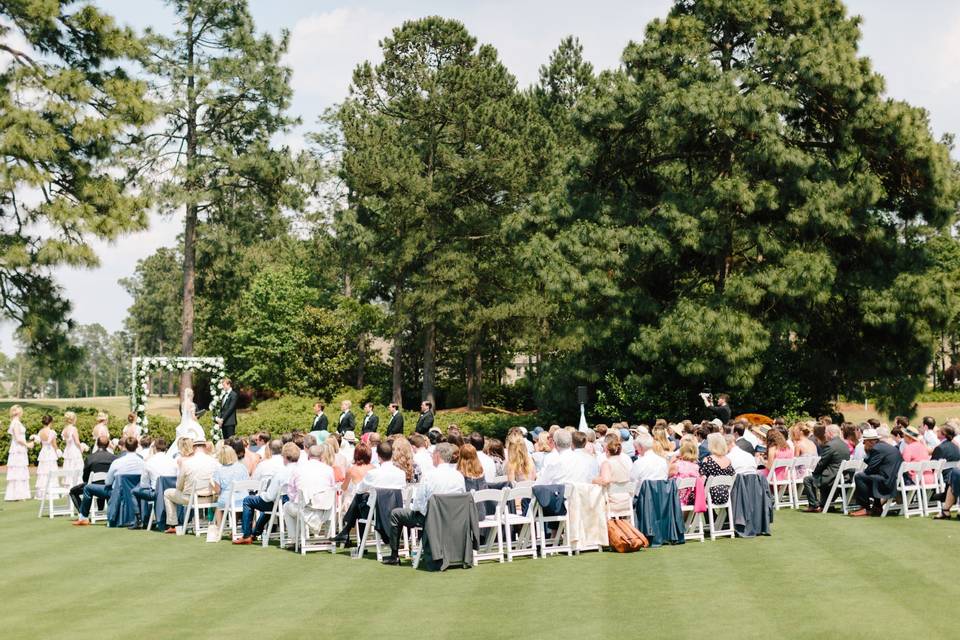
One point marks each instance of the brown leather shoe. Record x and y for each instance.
(861, 513)
(812, 510)
(243, 541)
(81, 523)
(170, 530)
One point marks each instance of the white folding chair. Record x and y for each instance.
(782, 488)
(628, 488)
(310, 539)
(523, 483)
(526, 542)
(368, 526)
(58, 487)
(844, 484)
(196, 504)
(97, 515)
(930, 479)
(490, 523)
(239, 489)
(559, 542)
(725, 509)
(692, 519)
(276, 515)
(803, 466)
(908, 499)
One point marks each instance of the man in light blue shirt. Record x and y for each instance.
(130, 463)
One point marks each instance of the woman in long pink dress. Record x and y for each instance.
(47, 460)
(18, 466)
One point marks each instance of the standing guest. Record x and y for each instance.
(98, 461)
(18, 471)
(717, 463)
(443, 479)
(425, 421)
(878, 481)
(320, 420)
(228, 409)
(778, 449)
(469, 466)
(395, 425)
(346, 422)
(47, 460)
(928, 428)
(158, 466)
(100, 428)
(229, 471)
(648, 465)
(196, 474)
(915, 450)
(720, 409)
(520, 464)
(72, 449)
(686, 465)
(129, 463)
(817, 484)
(370, 420)
(263, 502)
(131, 429)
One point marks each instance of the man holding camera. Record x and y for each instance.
(720, 409)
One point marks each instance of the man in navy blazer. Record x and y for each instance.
(878, 482)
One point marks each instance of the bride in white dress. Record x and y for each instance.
(188, 427)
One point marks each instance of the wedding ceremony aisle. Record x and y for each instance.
(817, 576)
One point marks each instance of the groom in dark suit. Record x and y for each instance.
(370, 419)
(228, 410)
(395, 425)
(320, 420)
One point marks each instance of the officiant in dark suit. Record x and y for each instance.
(395, 425)
(370, 419)
(228, 410)
(347, 421)
(425, 421)
(320, 420)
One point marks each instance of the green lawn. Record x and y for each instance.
(818, 576)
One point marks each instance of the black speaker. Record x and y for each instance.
(582, 395)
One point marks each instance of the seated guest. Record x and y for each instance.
(744, 438)
(259, 445)
(778, 449)
(648, 465)
(263, 502)
(742, 461)
(469, 466)
(701, 433)
(684, 465)
(520, 464)
(403, 457)
(494, 449)
(306, 481)
(915, 450)
(159, 465)
(615, 469)
(585, 464)
(229, 471)
(196, 474)
(358, 471)
(129, 463)
(489, 466)
(145, 447)
(328, 456)
(817, 484)
(422, 457)
(947, 450)
(878, 481)
(717, 464)
(928, 428)
(541, 448)
(851, 436)
(800, 434)
(444, 478)
(386, 476)
(559, 466)
(271, 464)
(246, 457)
(98, 461)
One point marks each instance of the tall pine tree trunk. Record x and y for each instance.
(361, 359)
(474, 379)
(397, 351)
(190, 226)
(429, 363)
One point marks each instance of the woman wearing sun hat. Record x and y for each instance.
(915, 451)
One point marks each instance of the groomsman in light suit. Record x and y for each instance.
(346, 422)
(320, 420)
(370, 420)
(395, 425)
(425, 421)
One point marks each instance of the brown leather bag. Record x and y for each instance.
(624, 537)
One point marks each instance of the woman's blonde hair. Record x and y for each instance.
(185, 447)
(328, 453)
(403, 456)
(70, 418)
(102, 416)
(800, 429)
(469, 464)
(688, 449)
(519, 462)
(543, 442)
(227, 456)
(16, 411)
(334, 443)
(717, 444)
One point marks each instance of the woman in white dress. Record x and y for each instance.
(47, 460)
(18, 471)
(100, 428)
(72, 449)
(188, 427)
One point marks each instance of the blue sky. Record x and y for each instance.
(916, 46)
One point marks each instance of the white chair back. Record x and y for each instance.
(522, 542)
(491, 526)
(692, 519)
(719, 513)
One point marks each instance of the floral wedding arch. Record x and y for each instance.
(141, 368)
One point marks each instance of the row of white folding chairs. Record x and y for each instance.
(719, 515)
(786, 490)
(916, 497)
(59, 483)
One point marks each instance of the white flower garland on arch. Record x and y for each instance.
(142, 367)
